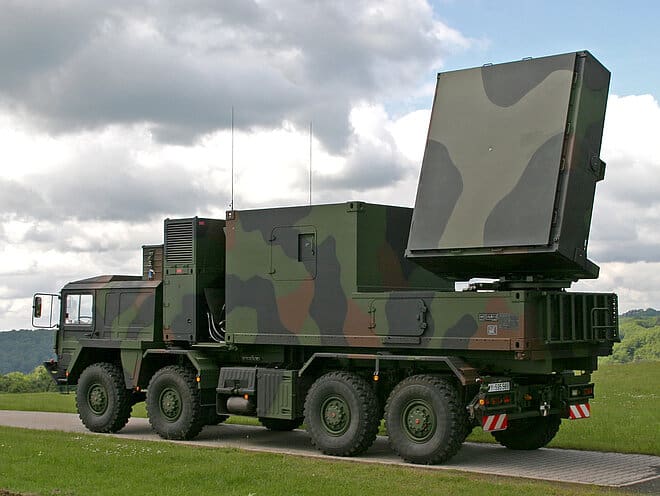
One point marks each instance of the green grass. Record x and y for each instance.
(38, 402)
(55, 463)
(624, 412)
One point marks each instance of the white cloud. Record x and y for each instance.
(636, 284)
(179, 68)
(409, 133)
(627, 208)
(633, 120)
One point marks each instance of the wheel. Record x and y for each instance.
(341, 414)
(529, 433)
(281, 424)
(173, 403)
(425, 420)
(104, 404)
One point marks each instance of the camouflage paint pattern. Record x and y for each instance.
(351, 289)
(290, 270)
(193, 262)
(509, 171)
(127, 317)
(125, 308)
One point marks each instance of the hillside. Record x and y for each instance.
(639, 312)
(640, 337)
(23, 350)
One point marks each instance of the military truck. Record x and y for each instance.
(338, 316)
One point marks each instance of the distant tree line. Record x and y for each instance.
(639, 312)
(36, 381)
(640, 340)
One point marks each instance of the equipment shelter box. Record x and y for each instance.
(510, 168)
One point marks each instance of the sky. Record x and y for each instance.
(116, 115)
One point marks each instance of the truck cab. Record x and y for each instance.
(101, 314)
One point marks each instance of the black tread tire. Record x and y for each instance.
(281, 425)
(440, 398)
(529, 433)
(175, 380)
(359, 399)
(103, 379)
(468, 425)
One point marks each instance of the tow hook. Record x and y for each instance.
(545, 409)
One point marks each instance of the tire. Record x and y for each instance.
(104, 404)
(281, 424)
(467, 430)
(425, 420)
(173, 403)
(468, 425)
(529, 433)
(341, 414)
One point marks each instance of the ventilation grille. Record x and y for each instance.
(573, 317)
(179, 242)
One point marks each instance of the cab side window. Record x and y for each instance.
(78, 309)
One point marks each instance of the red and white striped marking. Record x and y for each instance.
(579, 411)
(492, 423)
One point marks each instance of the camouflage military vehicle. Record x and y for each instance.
(338, 316)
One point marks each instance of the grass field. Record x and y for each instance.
(624, 412)
(54, 463)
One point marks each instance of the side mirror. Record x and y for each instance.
(45, 310)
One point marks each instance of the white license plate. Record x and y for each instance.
(498, 387)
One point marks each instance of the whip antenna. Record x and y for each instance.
(231, 205)
(310, 163)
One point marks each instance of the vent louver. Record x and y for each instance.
(179, 242)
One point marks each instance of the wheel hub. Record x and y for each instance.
(170, 404)
(419, 421)
(97, 399)
(335, 415)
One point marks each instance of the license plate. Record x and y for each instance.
(498, 387)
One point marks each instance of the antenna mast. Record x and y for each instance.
(310, 162)
(231, 205)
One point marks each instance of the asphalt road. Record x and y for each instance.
(633, 472)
